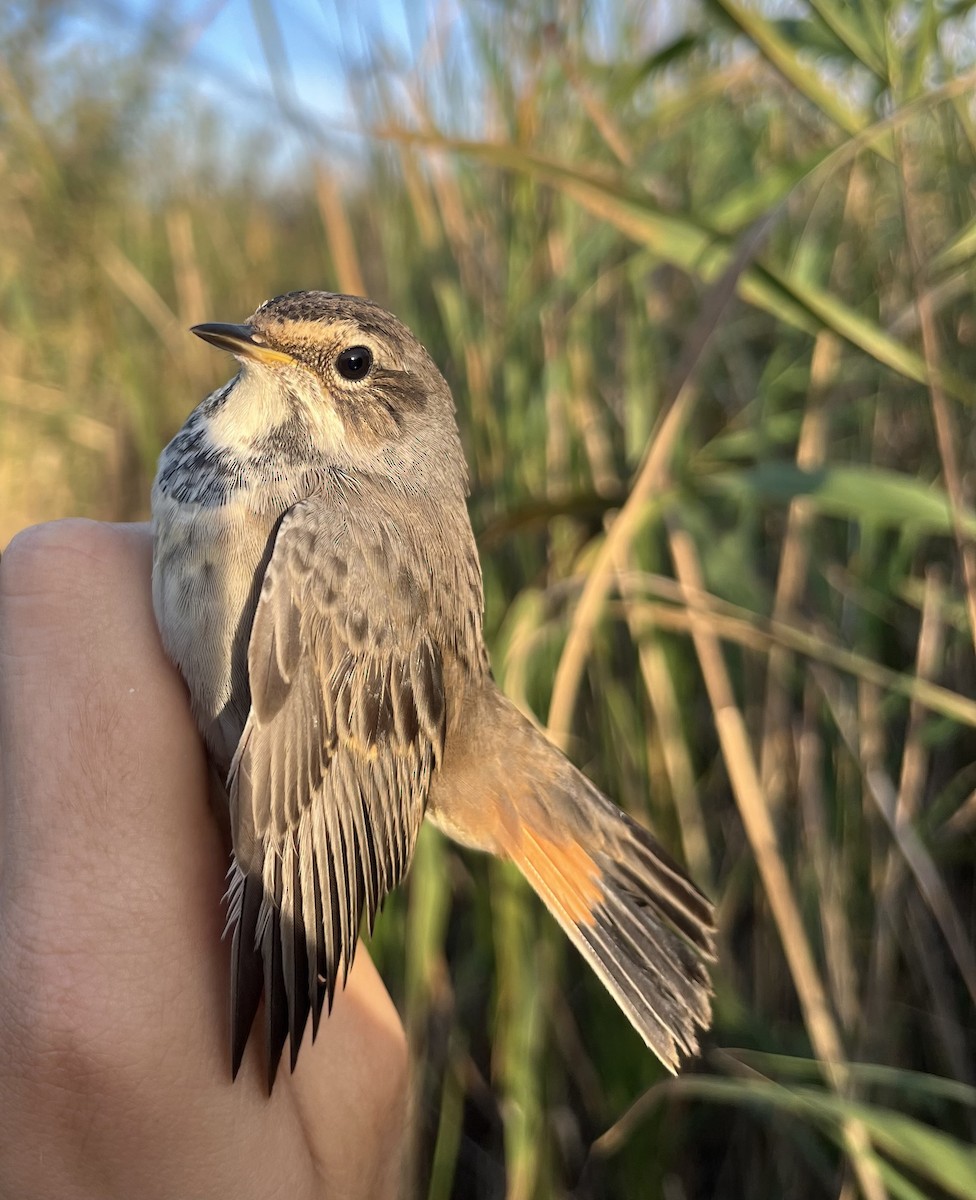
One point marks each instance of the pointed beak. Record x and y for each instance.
(241, 340)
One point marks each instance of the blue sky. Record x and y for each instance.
(317, 39)
(226, 47)
(254, 60)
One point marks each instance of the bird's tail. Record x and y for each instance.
(632, 912)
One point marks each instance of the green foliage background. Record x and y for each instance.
(706, 307)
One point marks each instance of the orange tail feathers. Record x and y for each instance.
(632, 912)
(637, 920)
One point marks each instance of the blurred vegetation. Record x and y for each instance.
(705, 301)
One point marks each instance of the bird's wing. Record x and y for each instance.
(328, 787)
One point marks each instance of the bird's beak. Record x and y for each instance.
(240, 340)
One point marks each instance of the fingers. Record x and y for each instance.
(111, 870)
(87, 698)
(357, 1072)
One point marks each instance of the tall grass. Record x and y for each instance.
(706, 307)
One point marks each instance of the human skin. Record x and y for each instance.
(114, 1057)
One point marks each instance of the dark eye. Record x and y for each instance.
(354, 363)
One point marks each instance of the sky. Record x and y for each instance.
(255, 60)
(256, 55)
(306, 42)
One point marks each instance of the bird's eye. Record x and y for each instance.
(354, 362)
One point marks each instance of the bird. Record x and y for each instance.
(317, 583)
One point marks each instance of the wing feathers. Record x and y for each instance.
(273, 657)
(329, 783)
(275, 995)
(244, 904)
(427, 690)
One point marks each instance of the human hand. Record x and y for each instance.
(114, 1062)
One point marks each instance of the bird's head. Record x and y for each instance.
(339, 380)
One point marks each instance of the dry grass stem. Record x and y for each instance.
(943, 417)
(832, 890)
(677, 757)
(339, 234)
(757, 820)
(912, 849)
(651, 477)
(759, 633)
